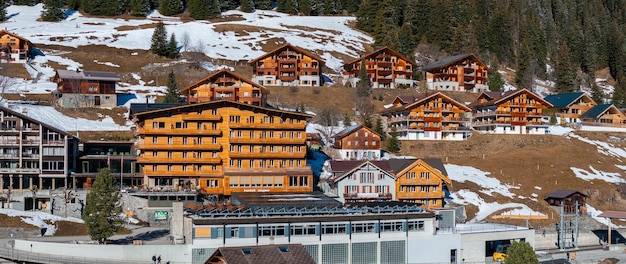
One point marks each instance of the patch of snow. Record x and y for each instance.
(484, 209)
(471, 174)
(611, 177)
(39, 219)
(538, 188)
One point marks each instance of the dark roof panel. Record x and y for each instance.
(596, 111)
(265, 254)
(563, 100)
(560, 194)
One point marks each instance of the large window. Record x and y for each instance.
(333, 228)
(278, 230)
(302, 230)
(367, 177)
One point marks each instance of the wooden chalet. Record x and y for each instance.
(421, 181)
(511, 112)
(568, 198)
(288, 65)
(386, 68)
(263, 254)
(604, 115)
(77, 89)
(14, 48)
(568, 107)
(224, 147)
(463, 72)
(226, 85)
(428, 117)
(358, 142)
(406, 180)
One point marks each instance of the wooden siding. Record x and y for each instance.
(86, 87)
(519, 110)
(383, 67)
(226, 86)
(287, 65)
(466, 75)
(227, 149)
(425, 187)
(362, 138)
(437, 114)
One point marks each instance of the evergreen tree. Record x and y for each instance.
(53, 10)
(247, 6)
(366, 16)
(286, 6)
(73, 4)
(103, 208)
(305, 7)
(159, 42)
(172, 96)
(521, 253)
(367, 121)
(496, 82)
(203, 9)
(564, 72)
(363, 84)
(619, 93)
(346, 120)
(172, 47)
(596, 93)
(393, 143)
(171, 7)
(263, 4)
(378, 128)
(139, 8)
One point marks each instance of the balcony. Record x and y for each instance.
(267, 155)
(367, 196)
(173, 173)
(287, 78)
(30, 156)
(268, 141)
(203, 117)
(405, 118)
(419, 195)
(268, 126)
(188, 146)
(224, 79)
(179, 131)
(16, 170)
(188, 160)
(53, 142)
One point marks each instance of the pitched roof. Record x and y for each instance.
(6, 32)
(496, 98)
(597, 111)
(265, 254)
(34, 120)
(564, 100)
(218, 103)
(390, 50)
(613, 214)
(136, 108)
(345, 167)
(349, 130)
(287, 45)
(434, 163)
(560, 194)
(89, 75)
(223, 71)
(445, 62)
(422, 99)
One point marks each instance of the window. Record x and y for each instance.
(199, 139)
(381, 176)
(184, 154)
(425, 175)
(362, 227)
(155, 154)
(410, 175)
(301, 230)
(184, 140)
(154, 167)
(184, 167)
(155, 140)
(214, 111)
(293, 181)
(169, 155)
(169, 140)
(367, 177)
(416, 225)
(352, 189)
(424, 188)
(333, 228)
(271, 230)
(169, 167)
(381, 189)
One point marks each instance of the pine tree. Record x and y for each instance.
(366, 16)
(203, 9)
(305, 7)
(378, 128)
(247, 6)
(496, 82)
(363, 84)
(393, 143)
(564, 71)
(263, 4)
(172, 96)
(159, 41)
(521, 253)
(139, 8)
(172, 47)
(596, 93)
(346, 120)
(619, 93)
(171, 7)
(103, 208)
(53, 10)
(286, 6)
(227, 4)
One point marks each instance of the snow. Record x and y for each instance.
(485, 209)
(471, 174)
(54, 118)
(39, 219)
(593, 212)
(597, 174)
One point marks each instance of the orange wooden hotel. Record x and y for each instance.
(224, 147)
(226, 85)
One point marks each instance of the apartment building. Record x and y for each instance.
(463, 72)
(224, 147)
(385, 67)
(34, 155)
(288, 65)
(226, 85)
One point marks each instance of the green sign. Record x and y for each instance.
(160, 215)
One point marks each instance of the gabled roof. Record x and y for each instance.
(33, 120)
(599, 110)
(560, 194)
(88, 75)
(406, 99)
(422, 99)
(351, 129)
(136, 108)
(497, 98)
(217, 74)
(565, 100)
(373, 53)
(445, 62)
(266, 254)
(6, 32)
(435, 164)
(346, 167)
(219, 103)
(287, 45)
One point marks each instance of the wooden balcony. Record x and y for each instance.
(203, 117)
(179, 132)
(419, 195)
(172, 173)
(188, 160)
(189, 146)
(268, 141)
(224, 79)
(269, 126)
(287, 78)
(267, 155)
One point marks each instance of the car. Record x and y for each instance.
(500, 254)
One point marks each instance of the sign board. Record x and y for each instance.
(160, 215)
(367, 195)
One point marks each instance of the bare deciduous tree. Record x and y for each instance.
(185, 40)
(6, 82)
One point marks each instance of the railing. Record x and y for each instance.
(602, 124)
(180, 146)
(286, 126)
(367, 195)
(287, 141)
(266, 154)
(20, 256)
(188, 160)
(179, 131)
(196, 117)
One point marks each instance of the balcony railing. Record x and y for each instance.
(188, 160)
(286, 141)
(277, 126)
(179, 131)
(189, 146)
(385, 196)
(266, 154)
(204, 117)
